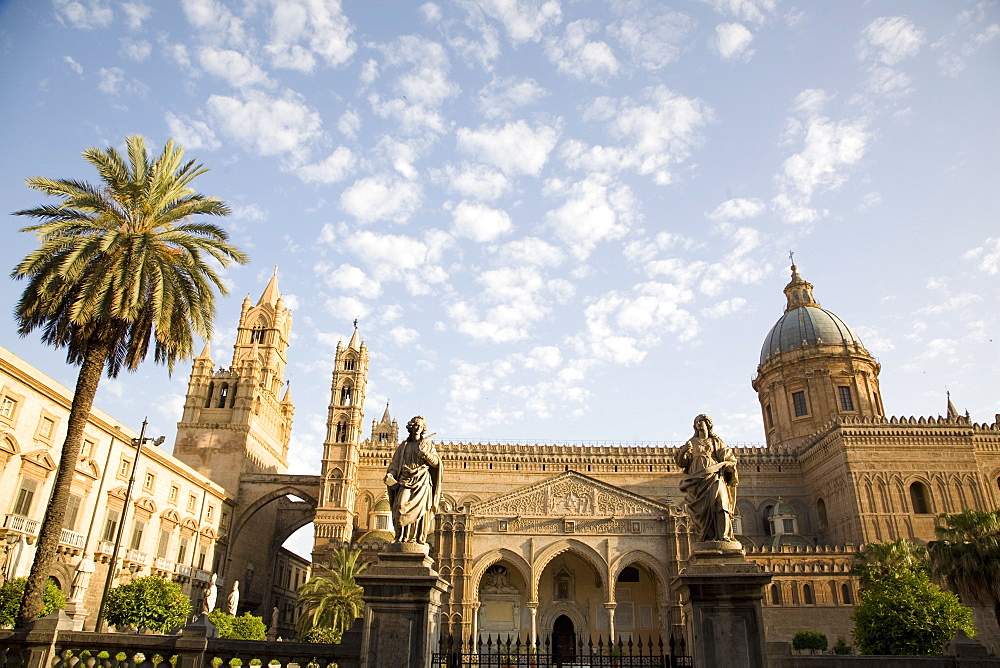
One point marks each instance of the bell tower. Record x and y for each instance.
(336, 514)
(813, 370)
(239, 419)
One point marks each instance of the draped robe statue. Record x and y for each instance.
(709, 485)
(413, 480)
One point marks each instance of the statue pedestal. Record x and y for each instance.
(75, 611)
(721, 595)
(403, 595)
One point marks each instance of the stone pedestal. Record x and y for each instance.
(403, 596)
(721, 595)
(75, 611)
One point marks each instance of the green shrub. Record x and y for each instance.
(841, 647)
(322, 634)
(12, 592)
(151, 602)
(244, 627)
(809, 640)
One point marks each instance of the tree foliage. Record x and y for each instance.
(901, 612)
(813, 641)
(12, 592)
(150, 602)
(119, 266)
(332, 600)
(967, 555)
(244, 627)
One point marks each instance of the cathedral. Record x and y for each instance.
(553, 540)
(537, 541)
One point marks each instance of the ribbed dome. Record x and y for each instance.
(805, 323)
(806, 326)
(383, 506)
(793, 539)
(782, 509)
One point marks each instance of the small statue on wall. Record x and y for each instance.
(709, 485)
(414, 483)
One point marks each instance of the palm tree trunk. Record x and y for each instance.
(48, 537)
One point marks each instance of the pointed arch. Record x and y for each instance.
(654, 566)
(589, 555)
(491, 558)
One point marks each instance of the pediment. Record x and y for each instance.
(570, 494)
(40, 458)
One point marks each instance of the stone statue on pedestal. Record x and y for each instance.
(234, 598)
(81, 578)
(414, 483)
(709, 485)
(211, 595)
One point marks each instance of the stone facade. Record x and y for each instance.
(531, 536)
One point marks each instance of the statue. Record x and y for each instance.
(234, 598)
(710, 484)
(81, 578)
(414, 482)
(211, 595)
(272, 630)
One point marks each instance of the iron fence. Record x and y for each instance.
(549, 653)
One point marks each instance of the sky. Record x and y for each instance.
(555, 220)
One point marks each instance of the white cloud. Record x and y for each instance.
(530, 251)
(137, 50)
(135, 14)
(333, 168)
(348, 279)
(190, 133)
(655, 135)
(475, 180)
(738, 264)
(525, 20)
(829, 149)
(986, 256)
(621, 326)
(299, 30)
(113, 82)
(725, 307)
(754, 11)
(650, 33)
(215, 22)
(573, 54)
(349, 123)
(479, 222)
(502, 97)
(233, 67)
(890, 40)
(732, 41)
(403, 336)
(73, 65)
(595, 210)
(251, 212)
(514, 298)
(515, 148)
(391, 257)
(738, 209)
(267, 125)
(381, 197)
(347, 307)
(421, 88)
(952, 303)
(431, 12)
(84, 15)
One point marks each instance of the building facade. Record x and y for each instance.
(555, 540)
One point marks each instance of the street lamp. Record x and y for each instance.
(138, 443)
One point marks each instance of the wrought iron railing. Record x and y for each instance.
(503, 652)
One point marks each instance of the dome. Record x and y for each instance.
(793, 539)
(382, 506)
(804, 323)
(376, 537)
(782, 509)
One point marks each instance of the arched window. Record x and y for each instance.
(208, 399)
(833, 593)
(845, 594)
(223, 395)
(341, 432)
(775, 595)
(807, 595)
(349, 364)
(768, 417)
(821, 512)
(629, 574)
(345, 394)
(918, 498)
(767, 520)
(257, 333)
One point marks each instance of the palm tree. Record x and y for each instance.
(876, 561)
(967, 555)
(332, 600)
(119, 265)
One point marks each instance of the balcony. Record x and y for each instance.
(22, 526)
(163, 565)
(105, 549)
(201, 576)
(134, 560)
(182, 573)
(71, 542)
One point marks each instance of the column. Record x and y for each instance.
(610, 607)
(533, 609)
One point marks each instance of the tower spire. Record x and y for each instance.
(355, 343)
(271, 293)
(798, 292)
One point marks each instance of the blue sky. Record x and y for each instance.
(561, 221)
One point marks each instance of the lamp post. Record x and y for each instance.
(138, 443)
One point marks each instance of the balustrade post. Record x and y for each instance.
(192, 643)
(40, 638)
